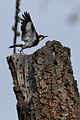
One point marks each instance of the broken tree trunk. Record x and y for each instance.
(44, 84)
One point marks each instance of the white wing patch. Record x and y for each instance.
(28, 27)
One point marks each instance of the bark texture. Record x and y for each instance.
(44, 84)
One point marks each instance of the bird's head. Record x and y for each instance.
(41, 37)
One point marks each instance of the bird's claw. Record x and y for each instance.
(21, 52)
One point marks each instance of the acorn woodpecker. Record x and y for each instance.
(29, 35)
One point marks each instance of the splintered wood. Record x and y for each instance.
(44, 84)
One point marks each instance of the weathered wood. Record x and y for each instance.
(44, 84)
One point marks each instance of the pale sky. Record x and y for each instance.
(50, 18)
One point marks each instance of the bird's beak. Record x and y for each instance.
(46, 36)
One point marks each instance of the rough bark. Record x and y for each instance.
(44, 84)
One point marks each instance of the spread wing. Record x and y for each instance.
(28, 30)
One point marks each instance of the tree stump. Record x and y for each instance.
(44, 84)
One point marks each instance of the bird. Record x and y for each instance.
(29, 35)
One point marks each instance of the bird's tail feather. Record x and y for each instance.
(18, 45)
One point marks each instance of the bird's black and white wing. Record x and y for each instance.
(28, 30)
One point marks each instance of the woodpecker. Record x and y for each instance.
(29, 35)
